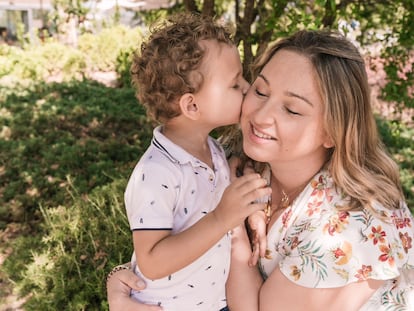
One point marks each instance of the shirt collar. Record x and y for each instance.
(177, 154)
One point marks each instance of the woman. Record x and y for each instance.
(339, 235)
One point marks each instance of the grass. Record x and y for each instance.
(80, 130)
(67, 150)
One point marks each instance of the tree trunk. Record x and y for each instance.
(208, 8)
(243, 33)
(190, 5)
(330, 15)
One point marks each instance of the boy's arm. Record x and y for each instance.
(160, 254)
(244, 282)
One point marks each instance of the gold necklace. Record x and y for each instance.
(284, 201)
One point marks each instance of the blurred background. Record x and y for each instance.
(71, 129)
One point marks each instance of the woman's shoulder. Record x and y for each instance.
(323, 201)
(336, 246)
(326, 213)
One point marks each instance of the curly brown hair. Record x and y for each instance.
(166, 66)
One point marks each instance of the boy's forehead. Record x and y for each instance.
(221, 58)
(213, 48)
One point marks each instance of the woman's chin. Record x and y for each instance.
(254, 153)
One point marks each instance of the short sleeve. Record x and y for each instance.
(334, 248)
(151, 196)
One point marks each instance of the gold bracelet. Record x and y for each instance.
(116, 269)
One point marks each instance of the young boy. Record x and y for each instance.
(179, 199)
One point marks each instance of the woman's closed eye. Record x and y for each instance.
(258, 93)
(290, 111)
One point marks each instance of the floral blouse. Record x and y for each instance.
(317, 245)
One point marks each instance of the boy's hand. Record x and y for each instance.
(241, 199)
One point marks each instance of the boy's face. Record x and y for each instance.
(221, 94)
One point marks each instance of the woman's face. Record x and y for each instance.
(282, 114)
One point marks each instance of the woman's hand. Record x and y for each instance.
(119, 285)
(257, 225)
(257, 220)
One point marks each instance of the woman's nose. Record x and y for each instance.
(263, 114)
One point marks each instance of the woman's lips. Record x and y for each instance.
(259, 134)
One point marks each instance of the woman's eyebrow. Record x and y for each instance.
(292, 94)
(264, 78)
(288, 93)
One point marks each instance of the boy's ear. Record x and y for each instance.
(189, 106)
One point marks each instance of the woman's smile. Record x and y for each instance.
(259, 134)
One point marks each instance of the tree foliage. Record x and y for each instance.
(386, 24)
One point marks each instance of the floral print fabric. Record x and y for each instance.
(317, 245)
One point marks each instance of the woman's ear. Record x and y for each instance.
(328, 142)
(189, 107)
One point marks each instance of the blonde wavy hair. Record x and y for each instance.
(166, 66)
(358, 162)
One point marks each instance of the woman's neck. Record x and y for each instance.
(289, 177)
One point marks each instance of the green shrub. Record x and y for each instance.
(77, 136)
(79, 129)
(102, 50)
(56, 61)
(398, 138)
(80, 245)
(7, 59)
(123, 65)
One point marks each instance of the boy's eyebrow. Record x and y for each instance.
(238, 74)
(236, 77)
(288, 93)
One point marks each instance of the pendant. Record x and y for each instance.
(268, 210)
(284, 202)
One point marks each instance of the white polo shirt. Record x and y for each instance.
(170, 189)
